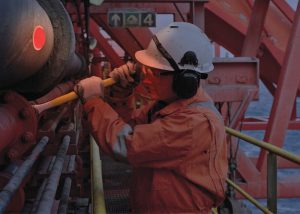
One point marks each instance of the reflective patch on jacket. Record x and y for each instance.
(119, 147)
(209, 105)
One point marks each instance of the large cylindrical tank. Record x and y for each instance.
(27, 40)
(37, 48)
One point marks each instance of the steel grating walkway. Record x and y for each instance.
(116, 177)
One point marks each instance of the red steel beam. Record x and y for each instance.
(242, 108)
(120, 35)
(285, 8)
(160, 1)
(197, 14)
(285, 93)
(232, 35)
(228, 19)
(217, 48)
(157, 7)
(287, 188)
(179, 14)
(269, 85)
(105, 47)
(141, 35)
(281, 163)
(255, 28)
(262, 125)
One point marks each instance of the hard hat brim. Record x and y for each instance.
(153, 60)
(159, 62)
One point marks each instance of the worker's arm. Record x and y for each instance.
(161, 144)
(120, 96)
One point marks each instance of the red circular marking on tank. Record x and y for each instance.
(38, 38)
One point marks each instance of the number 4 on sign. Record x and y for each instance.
(148, 20)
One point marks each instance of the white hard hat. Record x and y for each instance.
(177, 39)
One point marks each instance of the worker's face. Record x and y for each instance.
(158, 83)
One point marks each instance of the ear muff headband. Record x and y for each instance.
(165, 54)
(185, 81)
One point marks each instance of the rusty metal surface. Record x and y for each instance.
(18, 126)
(232, 78)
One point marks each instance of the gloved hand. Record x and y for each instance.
(124, 73)
(89, 87)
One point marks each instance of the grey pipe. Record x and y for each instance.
(48, 196)
(63, 204)
(8, 191)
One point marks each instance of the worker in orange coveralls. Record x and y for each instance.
(176, 145)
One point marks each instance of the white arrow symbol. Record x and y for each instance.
(116, 19)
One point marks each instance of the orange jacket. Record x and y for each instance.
(179, 159)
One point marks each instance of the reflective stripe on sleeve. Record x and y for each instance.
(119, 147)
(209, 105)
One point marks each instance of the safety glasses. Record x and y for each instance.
(153, 72)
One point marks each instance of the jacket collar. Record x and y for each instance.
(201, 96)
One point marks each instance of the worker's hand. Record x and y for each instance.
(124, 74)
(89, 87)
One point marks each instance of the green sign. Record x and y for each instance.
(115, 19)
(131, 18)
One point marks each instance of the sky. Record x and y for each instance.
(293, 3)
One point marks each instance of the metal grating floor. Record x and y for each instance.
(116, 177)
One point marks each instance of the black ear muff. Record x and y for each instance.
(186, 83)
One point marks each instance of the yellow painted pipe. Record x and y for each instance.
(98, 202)
(214, 211)
(274, 149)
(67, 97)
(249, 197)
